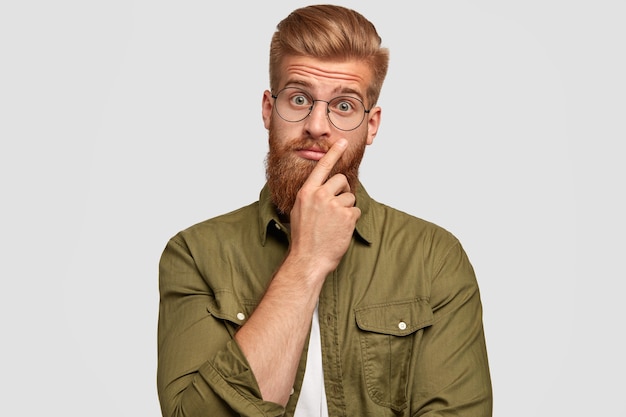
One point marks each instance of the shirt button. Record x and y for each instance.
(402, 325)
(241, 316)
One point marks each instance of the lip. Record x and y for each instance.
(313, 154)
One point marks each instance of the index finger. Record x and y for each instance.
(322, 169)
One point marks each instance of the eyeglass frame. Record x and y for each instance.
(313, 101)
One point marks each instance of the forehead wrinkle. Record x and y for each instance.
(309, 70)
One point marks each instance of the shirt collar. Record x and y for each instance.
(268, 216)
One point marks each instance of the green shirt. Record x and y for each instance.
(400, 318)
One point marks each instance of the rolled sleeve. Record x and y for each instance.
(201, 370)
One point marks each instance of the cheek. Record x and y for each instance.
(283, 132)
(359, 141)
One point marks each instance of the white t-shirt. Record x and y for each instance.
(312, 401)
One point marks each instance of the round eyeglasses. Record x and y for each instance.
(344, 112)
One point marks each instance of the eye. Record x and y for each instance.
(300, 100)
(344, 105)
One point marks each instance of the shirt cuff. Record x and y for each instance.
(231, 378)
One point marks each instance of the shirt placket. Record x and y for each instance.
(331, 355)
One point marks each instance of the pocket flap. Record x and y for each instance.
(226, 306)
(396, 318)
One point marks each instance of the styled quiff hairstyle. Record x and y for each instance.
(330, 32)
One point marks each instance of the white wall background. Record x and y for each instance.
(122, 122)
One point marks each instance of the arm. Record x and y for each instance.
(203, 366)
(453, 372)
(322, 221)
(200, 371)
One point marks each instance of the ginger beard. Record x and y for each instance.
(286, 172)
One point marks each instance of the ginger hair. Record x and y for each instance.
(330, 32)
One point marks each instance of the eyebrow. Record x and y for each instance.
(338, 90)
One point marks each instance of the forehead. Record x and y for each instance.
(325, 76)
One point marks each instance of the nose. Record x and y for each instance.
(318, 124)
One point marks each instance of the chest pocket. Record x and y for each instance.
(389, 334)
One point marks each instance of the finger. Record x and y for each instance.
(338, 184)
(346, 199)
(325, 165)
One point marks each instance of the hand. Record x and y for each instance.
(324, 216)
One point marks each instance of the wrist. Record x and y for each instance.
(305, 270)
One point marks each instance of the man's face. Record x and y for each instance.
(295, 147)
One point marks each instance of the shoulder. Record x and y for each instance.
(399, 224)
(244, 219)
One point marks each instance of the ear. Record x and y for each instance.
(373, 122)
(266, 108)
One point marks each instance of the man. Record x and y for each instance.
(316, 299)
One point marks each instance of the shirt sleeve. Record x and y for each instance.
(201, 370)
(453, 370)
